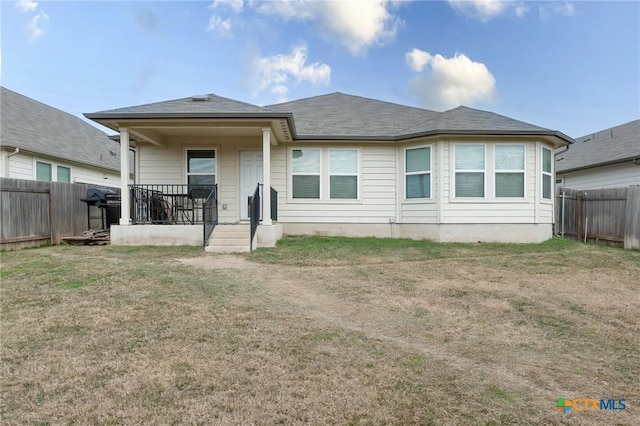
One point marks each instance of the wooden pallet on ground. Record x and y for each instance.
(98, 237)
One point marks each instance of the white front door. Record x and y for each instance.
(250, 176)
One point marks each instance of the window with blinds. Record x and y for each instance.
(509, 163)
(470, 170)
(417, 172)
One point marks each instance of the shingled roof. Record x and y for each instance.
(610, 146)
(39, 128)
(340, 116)
(203, 104)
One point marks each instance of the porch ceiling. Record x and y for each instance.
(160, 132)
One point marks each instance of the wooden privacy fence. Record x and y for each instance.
(611, 215)
(34, 213)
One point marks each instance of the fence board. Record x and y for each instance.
(610, 215)
(632, 225)
(34, 213)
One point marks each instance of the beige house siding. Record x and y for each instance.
(381, 184)
(611, 176)
(490, 209)
(22, 166)
(377, 188)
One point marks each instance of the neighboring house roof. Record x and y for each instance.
(38, 128)
(617, 144)
(340, 116)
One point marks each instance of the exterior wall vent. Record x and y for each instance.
(200, 98)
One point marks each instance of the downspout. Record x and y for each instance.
(6, 169)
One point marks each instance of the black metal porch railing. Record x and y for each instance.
(255, 209)
(167, 204)
(254, 214)
(209, 215)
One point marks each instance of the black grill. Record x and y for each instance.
(108, 201)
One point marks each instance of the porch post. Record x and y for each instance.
(266, 179)
(125, 210)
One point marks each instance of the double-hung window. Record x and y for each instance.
(47, 172)
(546, 173)
(44, 172)
(470, 171)
(343, 174)
(64, 174)
(305, 173)
(417, 172)
(201, 167)
(509, 170)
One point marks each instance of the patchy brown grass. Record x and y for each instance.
(321, 331)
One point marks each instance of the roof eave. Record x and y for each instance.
(591, 166)
(107, 116)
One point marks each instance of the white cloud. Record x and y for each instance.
(556, 8)
(450, 82)
(417, 59)
(219, 26)
(356, 24)
(26, 5)
(485, 10)
(235, 5)
(32, 28)
(274, 73)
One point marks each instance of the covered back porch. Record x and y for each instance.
(192, 176)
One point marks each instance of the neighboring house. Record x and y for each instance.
(39, 142)
(606, 159)
(340, 165)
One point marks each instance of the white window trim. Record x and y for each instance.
(291, 173)
(455, 171)
(329, 174)
(523, 171)
(405, 173)
(186, 173)
(54, 170)
(543, 173)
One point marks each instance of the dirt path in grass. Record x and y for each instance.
(309, 290)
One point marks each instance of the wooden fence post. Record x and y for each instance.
(632, 219)
(580, 214)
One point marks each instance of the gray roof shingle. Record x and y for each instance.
(464, 119)
(619, 143)
(207, 104)
(340, 115)
(33, 126)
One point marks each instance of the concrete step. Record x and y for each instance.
(229, 239)
(226, 249)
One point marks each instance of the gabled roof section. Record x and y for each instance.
(469, 120)
(610, 146)
(39, 128)
(204, 104)
(341, 116)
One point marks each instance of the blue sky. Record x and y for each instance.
(568, 66)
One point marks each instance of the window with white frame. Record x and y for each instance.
(509, 163)
(44, 172)
(470, 170)
(343, 174)
(48, 172)
(305, 173)
(546, 173)
(201, 166)
(417, 170)
(63, 174)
